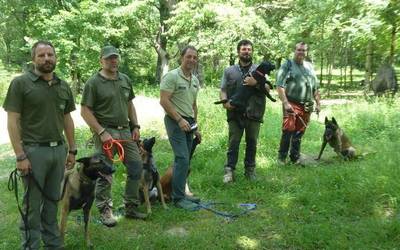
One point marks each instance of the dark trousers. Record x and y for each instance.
(251, 129)
(48, 164)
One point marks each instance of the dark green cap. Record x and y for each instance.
(108, 50)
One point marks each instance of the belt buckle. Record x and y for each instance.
(120, 127)
(53, 143)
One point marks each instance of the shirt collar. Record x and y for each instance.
(103, 79)
(34, 77)
(180, 72)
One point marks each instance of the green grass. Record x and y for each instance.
(331, 205)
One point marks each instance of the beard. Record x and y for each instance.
(46, 68)
(245, 58)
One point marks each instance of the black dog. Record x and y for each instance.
(337, 139)
(244, 92)
(79, 189)
(150, 176)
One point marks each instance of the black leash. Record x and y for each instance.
(13, 185)
(246, 208)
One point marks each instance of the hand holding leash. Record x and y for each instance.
(24, 166)
(288, 108)
(105, 136)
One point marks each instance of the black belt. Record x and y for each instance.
(44, 144)
(116, 127)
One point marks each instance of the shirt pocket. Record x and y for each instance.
(62, 99)
(125, 92)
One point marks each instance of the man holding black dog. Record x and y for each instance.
(38, 104)
(238, 122)
(297, 88)
(178, 97)
(108, 109)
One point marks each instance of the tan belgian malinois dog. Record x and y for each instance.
(79, 185)
(337, 139)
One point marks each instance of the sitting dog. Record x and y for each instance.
(166, 179)
(150, 176)
(337, 139)
(79, 185)
(244, 92)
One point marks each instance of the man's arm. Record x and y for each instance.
(282, 96)
(317, 98)
(165, 101)
(91, 121)
(14, 131)
(69, 129)
(133, 119)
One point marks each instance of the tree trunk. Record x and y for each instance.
(351, 63)
(165, 8)
(322, 67)
(392, 44)
(368, 66)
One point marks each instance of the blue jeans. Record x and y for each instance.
(181, 143)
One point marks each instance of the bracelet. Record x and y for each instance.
(21, 157)
(102, 131)
(136, 126)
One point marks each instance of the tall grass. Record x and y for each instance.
(330, 205)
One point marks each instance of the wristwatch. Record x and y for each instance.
(21, 157)
(73, 152)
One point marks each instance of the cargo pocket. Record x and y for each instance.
(256, 108)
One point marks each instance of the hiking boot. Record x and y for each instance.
(107, 217)
(250, 174)
(228, 176)
(281, 162)
(131, 212)
(186, 204)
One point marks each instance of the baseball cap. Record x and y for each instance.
(108, 50)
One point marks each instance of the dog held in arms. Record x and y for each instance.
(166, 179)
(150, 176)
(337, 139)
(79, 186)
(244, 92)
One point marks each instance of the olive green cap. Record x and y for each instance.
(108, 51)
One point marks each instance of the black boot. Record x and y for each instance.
(296, 145)
(284, 146)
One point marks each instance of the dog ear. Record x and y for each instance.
(84, 160)
(334, 121)
(326, 120)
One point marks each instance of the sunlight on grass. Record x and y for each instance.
(245, 242)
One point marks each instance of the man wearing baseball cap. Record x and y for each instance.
(108, 109)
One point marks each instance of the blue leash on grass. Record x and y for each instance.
(209, 206)
(245, 207)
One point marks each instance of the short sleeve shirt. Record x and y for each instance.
(108, 99)
(299, 81)
(42, 106)
(184, 91)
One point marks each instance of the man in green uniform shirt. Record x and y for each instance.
(38, 104)
(178, 97)
(108, 109)
(297, 89)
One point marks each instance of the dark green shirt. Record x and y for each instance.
(42, 106)
(108, 99)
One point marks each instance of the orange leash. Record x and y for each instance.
(108, 149)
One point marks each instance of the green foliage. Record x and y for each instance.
(331, 205)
